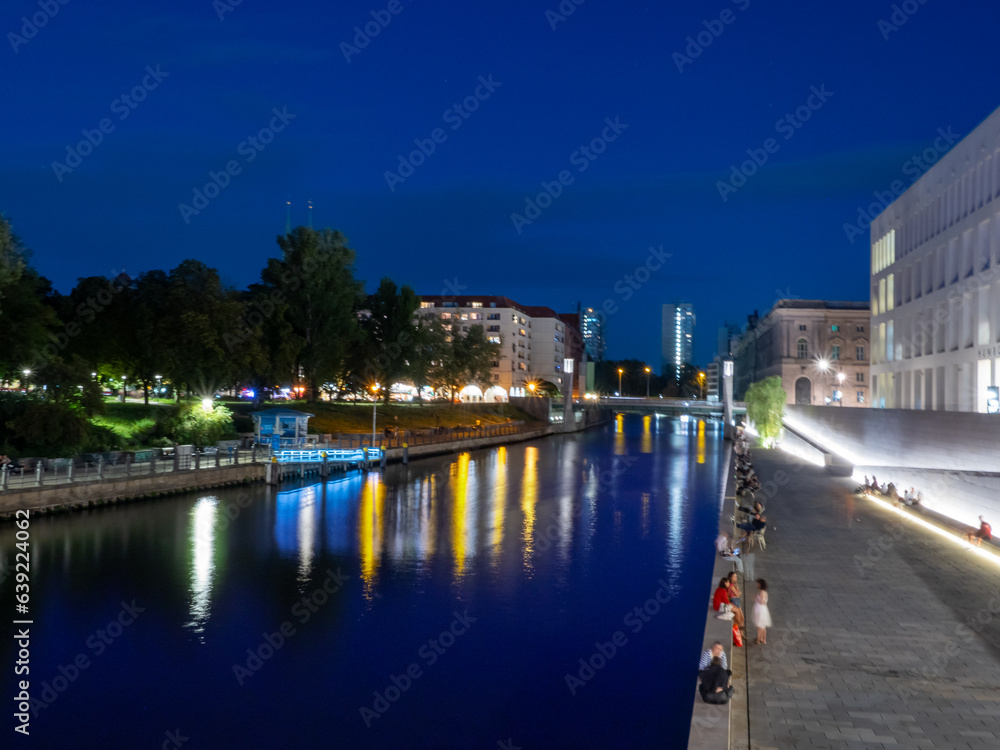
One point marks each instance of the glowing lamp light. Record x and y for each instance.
(206, 404)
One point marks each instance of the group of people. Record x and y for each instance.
(911, 498)
(715, 685)
(714, 675)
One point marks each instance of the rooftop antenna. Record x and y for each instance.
(288, 215)
(310, 214)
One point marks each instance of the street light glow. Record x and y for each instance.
(206, 404)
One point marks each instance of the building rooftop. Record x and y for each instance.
(819, 304)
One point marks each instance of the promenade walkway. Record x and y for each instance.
(885, 634)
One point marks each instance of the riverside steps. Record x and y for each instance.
(886, 634)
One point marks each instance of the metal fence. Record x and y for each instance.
(429, 436)
(40, 472)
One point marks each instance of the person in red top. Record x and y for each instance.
(985, 532)
(722, 598)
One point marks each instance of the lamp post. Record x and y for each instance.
(531, 387)
(26, 383)
(647, 381)
(701, 384)
(159, 383)
(840, 382)
(123, 389)
(620, 371)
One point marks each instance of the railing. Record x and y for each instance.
(41, 472)
(355, 455)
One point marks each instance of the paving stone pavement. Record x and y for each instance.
(885, 635)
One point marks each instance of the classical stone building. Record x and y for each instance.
(819, 349)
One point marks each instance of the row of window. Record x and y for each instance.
(978, 186)
(802, 351)
(834, 328)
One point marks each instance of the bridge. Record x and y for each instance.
(321, 461)
(671, 406)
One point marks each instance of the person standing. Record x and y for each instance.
(761, 614)
(985, 532)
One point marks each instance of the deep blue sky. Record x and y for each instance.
(781, 234)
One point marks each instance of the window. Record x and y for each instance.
(495, 363)
(835, 328)
(861, 397)
(425, 305)
(521, 366)
(464, 316)
(496, 377)
(493, 316)
(493, 328)
(802, 326)
(494, 340)
(836, 352)
(859, 353)
(861, 329)
(860, 377)
(475, 304)
(475, 316)
(445, 316)
(803, 349)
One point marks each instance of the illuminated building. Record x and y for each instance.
(678, 338)
(935, 295)
(592, 324)
(819, 349)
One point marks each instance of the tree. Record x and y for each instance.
(27, 320)
(390, 334)
(430, 342)
(465, 358)
(765, 402)
(315, 279)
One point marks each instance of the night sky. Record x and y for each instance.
(349, 112)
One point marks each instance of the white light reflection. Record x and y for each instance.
(307, 532)
(566, 494)
(203, 515)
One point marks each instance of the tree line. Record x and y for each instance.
(307, 322)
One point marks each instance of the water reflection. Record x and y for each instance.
(529, 497)
(647, 435)
(202, 536)
(499, 502)
(371, 531)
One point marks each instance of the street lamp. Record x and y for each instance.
(840, 382)
(701, 384)
(123, 389)
(647, 382)
(26, 374)
(620, 371)
(159, 383)
(531, 387)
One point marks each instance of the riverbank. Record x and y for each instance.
(885, 632)
(85, 494)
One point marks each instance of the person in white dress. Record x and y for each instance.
(761, 614)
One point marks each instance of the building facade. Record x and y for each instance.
(935, 291)
(819, 350)
(533, 341)
(592, 324)
(678, 338)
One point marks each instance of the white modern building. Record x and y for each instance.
(935, 291)
(532, 341)
(678, 338)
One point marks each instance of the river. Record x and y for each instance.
(547, 594)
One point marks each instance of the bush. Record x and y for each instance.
(193, 424)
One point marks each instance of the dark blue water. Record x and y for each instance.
(443, 605)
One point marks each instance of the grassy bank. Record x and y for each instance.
(128, 419)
